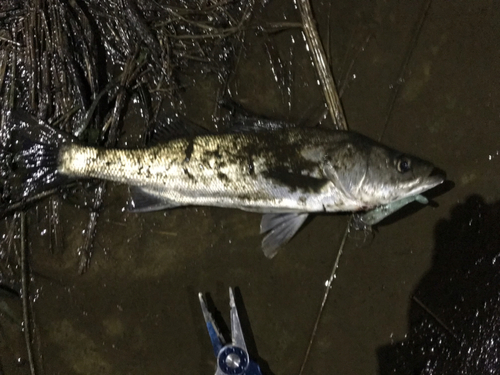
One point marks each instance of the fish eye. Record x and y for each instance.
(403, 165)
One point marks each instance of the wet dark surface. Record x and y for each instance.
(136, 309)
(454, 322)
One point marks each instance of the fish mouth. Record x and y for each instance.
(436, 177)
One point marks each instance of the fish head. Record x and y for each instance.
(372, 175)
(391, 175)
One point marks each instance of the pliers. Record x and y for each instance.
(232, 358)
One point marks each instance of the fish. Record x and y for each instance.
(283, 171)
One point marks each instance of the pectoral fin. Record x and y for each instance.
(143, 200)
(280, 228)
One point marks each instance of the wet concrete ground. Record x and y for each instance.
(422, 77)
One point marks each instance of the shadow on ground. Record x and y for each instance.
(454, 320)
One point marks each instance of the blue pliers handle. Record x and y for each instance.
(232, 358)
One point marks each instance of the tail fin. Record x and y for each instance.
(34, 151)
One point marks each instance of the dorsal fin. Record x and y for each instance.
(243, 121)
(172, 128)
(255, 124)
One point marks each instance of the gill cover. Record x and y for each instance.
(372, 174)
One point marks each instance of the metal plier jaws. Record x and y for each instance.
(232, 358)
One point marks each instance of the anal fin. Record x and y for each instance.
(280, 228)
(146, 200)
